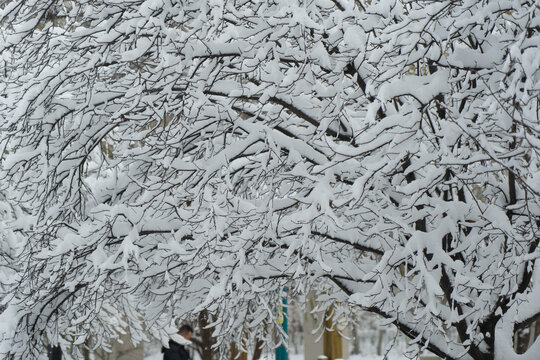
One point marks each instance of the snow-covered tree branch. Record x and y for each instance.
(173, 156)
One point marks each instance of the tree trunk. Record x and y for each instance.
(207, 340)
(236, 354)
(258, 350)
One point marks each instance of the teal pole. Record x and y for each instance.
(281, 351)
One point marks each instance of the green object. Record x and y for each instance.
(281, 352)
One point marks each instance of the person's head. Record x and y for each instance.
(186, 331)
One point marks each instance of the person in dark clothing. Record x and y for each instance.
(54, 352)
(175, 350)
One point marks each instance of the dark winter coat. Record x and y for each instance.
(175, 352)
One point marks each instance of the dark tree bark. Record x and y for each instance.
(206, 340)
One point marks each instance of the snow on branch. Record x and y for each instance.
(166, 158)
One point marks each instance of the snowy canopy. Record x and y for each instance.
(162, 157)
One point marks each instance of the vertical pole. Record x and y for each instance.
(333, 343)
(281, 352)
